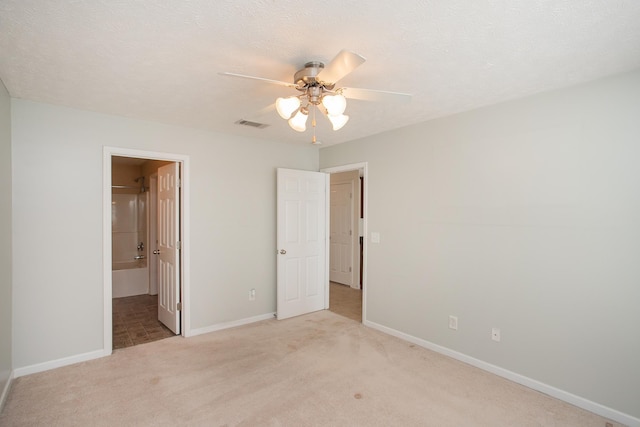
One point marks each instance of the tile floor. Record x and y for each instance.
(345, 301)
(135, 321)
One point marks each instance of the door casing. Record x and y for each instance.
(107, 154)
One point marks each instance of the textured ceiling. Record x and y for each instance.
(159, 60)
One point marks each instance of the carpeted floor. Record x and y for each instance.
(321, 369)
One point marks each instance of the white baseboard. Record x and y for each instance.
(5, 391)
(45, 366)
(232, 324)
(565, 396)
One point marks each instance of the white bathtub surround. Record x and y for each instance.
(130, 272)
(129, 279)
(128, 226)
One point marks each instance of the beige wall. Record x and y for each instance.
(232, 219)
(340, 177)
(125, 174)
(522, 216)
(5, 241)
(150, 167)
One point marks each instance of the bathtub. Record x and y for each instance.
(129, 278)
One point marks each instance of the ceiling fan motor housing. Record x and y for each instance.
(308, 77)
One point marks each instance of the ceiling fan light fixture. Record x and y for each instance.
(317, 82)
(335, 104)
(287, 106)
(338, 121)
(299, 121)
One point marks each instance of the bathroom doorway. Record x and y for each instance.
(145, 300)
(134, 247)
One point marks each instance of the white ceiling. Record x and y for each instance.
(159, 60)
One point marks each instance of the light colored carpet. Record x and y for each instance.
(320, 369)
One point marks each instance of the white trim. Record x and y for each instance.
(232, 324)
(108, 152)
(106, 252)
(364, 166)
(327, 238)
(565, 396)
(5, 391)
(53, 364)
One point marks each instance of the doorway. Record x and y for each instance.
(346, 293)
(130, 243)
(137, 308)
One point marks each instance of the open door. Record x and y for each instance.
(169, 246)
(301, 240)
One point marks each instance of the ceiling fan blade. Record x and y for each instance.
(375, 95)
(277, 82)
(343, 63)
(266, 110)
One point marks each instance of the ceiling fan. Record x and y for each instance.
(317, 84)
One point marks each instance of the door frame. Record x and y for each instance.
(107, 154)
(364, 166)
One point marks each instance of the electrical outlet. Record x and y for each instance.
(453, 323)
(252, 295)
(495, 334)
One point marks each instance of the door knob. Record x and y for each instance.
(156, 252)
(282, 252)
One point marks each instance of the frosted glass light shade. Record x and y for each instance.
(335, 104)
(338, 121)
(286, 106)
(299, 121)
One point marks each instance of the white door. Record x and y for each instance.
(168, 246)
(342, 229)
(301, 240)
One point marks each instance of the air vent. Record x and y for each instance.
(251, 124)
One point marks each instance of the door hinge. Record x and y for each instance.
(178, 182)
(351, 195)
(179, 306)
(179, 245)
(349, 269)
(350, 232)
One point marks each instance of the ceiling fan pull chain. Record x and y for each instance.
(313, 125)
